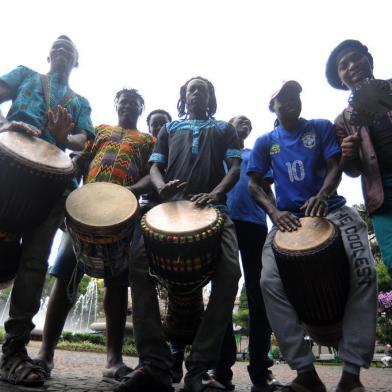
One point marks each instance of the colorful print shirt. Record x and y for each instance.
(29, 104)
(117, 155)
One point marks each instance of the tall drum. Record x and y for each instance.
(183, 244)
(314, 270)
(33, 175)
(100, 218)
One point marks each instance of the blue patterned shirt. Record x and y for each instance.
(29, 104)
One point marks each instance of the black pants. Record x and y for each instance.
(251, 238)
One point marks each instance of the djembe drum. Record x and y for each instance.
(183, 245)
(33, 175)
(100, 218)
(314, 270)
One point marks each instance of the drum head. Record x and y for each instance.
(313, 233)
(180, 218)
(35, 152)
(101, 204)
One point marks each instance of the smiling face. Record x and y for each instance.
(287, 106)
(197, 97)
(243, 126)
(129, 108)
(354, 68)
(63, 56)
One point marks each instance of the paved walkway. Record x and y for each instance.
(81, 372)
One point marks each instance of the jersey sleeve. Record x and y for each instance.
(15, 78)
(329, 142)
(233, 143)
(259, 160)
(161, 150)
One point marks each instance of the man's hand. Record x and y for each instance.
(60, 124)
(285, 220)
(171, 188)
(19, 126)
(350, 146)
(315, 206)
(202, 199)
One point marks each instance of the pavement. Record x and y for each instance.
(81, 372)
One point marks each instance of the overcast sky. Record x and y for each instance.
(246, 48)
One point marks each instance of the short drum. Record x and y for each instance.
(314, 270)
(100, 218)
(33, 175)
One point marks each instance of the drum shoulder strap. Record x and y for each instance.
(46, 88)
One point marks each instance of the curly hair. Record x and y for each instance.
(212, 105)
(130, 92)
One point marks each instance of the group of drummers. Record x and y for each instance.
(173, 209)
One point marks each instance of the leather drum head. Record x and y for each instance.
(35, 152)
(101, 204)
(313, 233)
(180, 218)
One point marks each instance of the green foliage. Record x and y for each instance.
(92, 342)
(242, 318)
(243, 298)
(275, 352)
(383, 277)
(384, 329)
(2, 335)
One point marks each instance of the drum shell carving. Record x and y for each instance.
(28, 191)
(317, 281)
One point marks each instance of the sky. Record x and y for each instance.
(246, 48)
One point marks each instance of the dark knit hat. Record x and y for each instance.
(349, 45)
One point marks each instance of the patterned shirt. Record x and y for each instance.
(117, 155)
(29, 104)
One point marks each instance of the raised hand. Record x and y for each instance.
(171, 188)
(60, 124)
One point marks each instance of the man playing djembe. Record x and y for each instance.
(304, 156)
(188, 160)
(45, 106)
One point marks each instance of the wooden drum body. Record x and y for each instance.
(100, 218)
(314, 270)
(33, 175)
(183, 245)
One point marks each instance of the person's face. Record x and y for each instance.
(243, 126)
(156, 122)
(197, 96)
(62, 56)
(353, 68)
(129, 108)
(287, 106)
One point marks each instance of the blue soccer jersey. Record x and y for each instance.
(299, 162)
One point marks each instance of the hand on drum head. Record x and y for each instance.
(20, 126)
(285, 220)
(202, 199)
(60, 124)
(315, 206)
(171, 188)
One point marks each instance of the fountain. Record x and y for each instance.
(82, 315)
